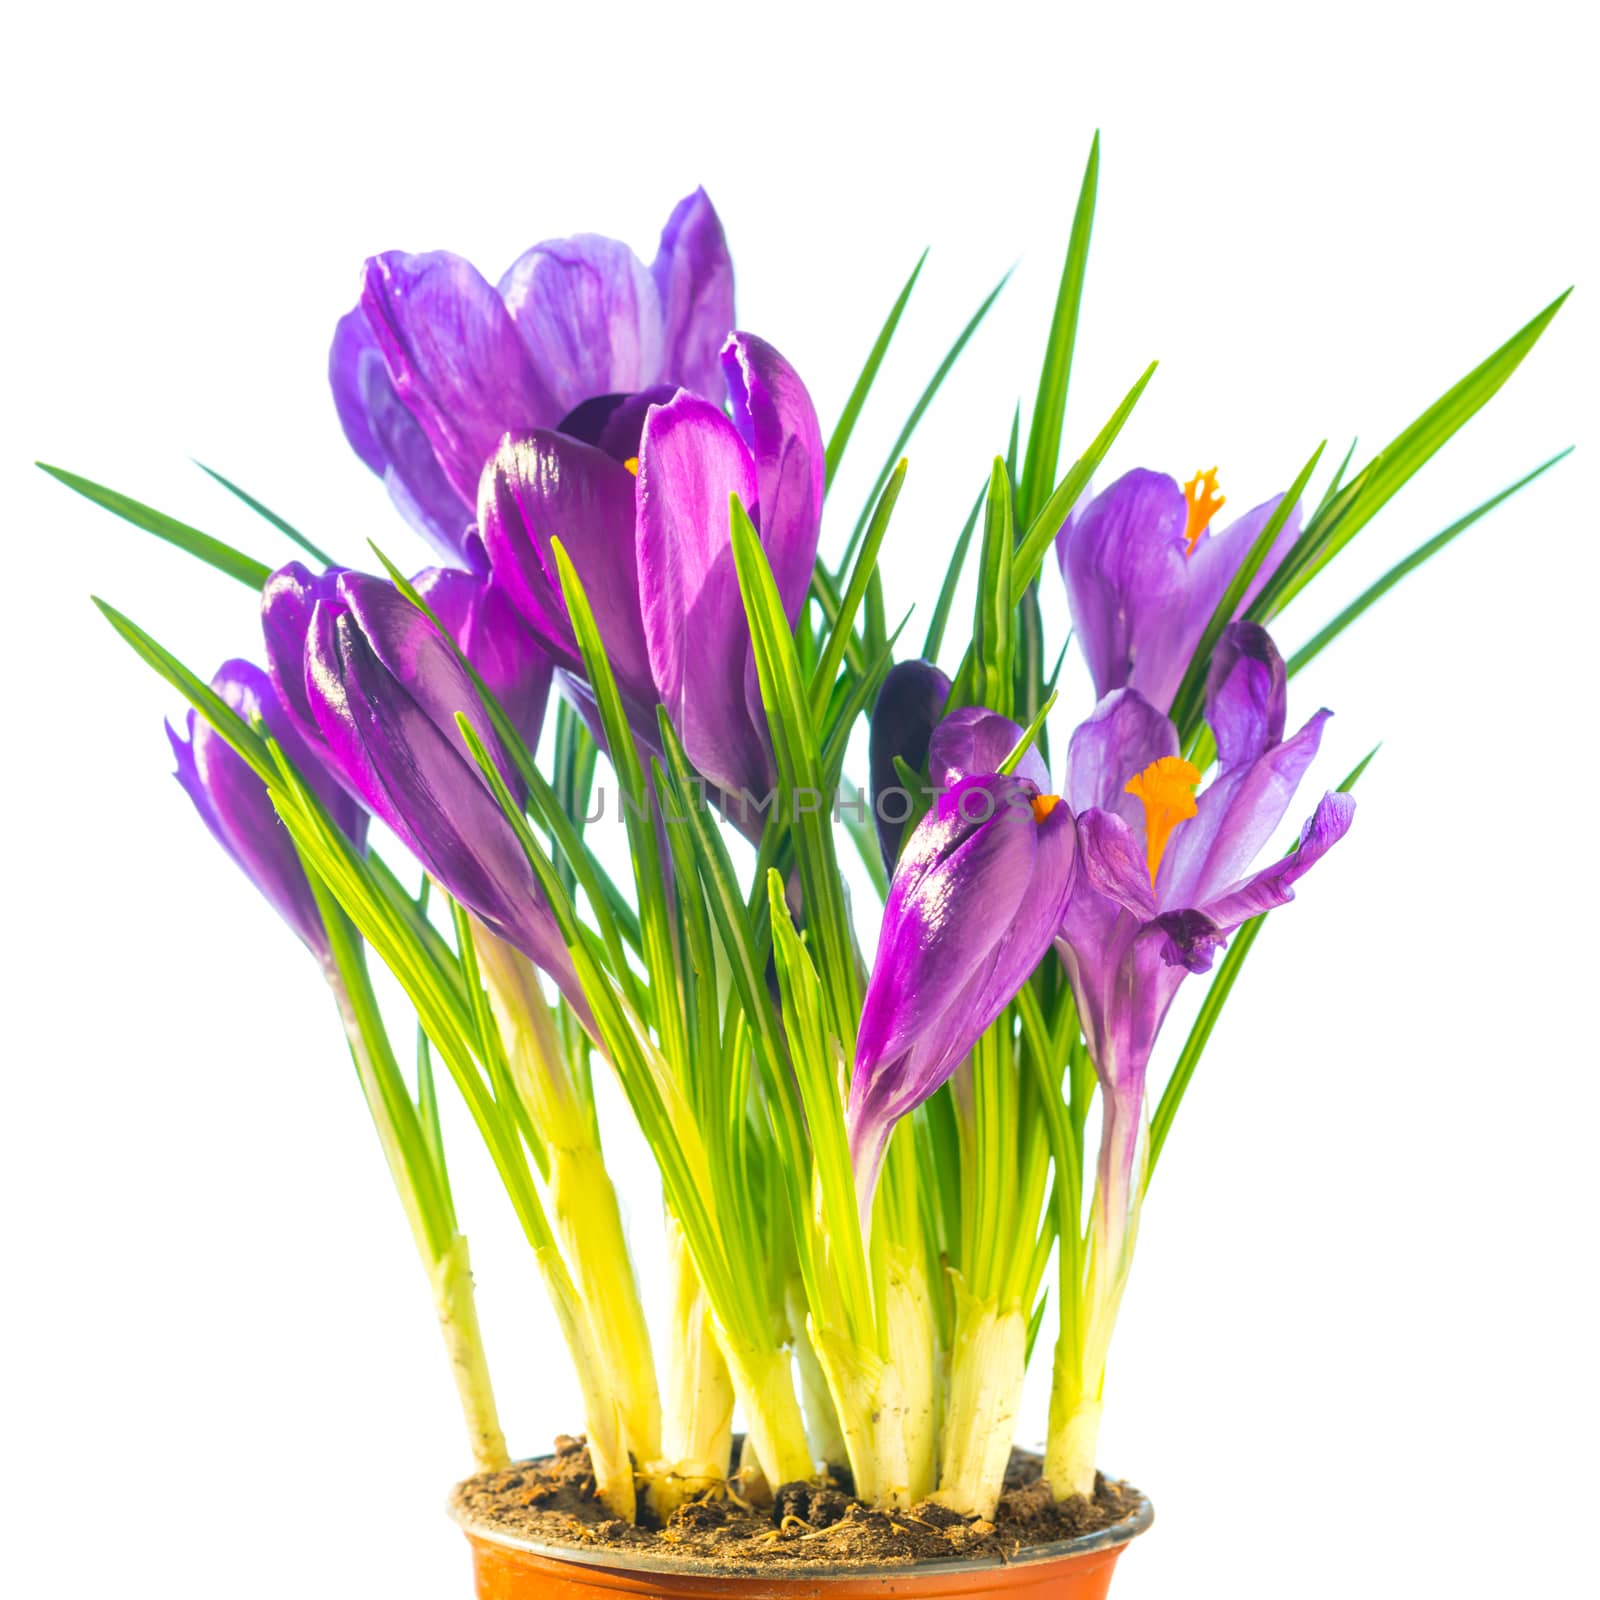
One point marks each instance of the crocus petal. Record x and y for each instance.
(1112, 862)
(350, 357)
(1218, 556)
(977, 898)
(1119, 739)
(455, 358)
(475, 612)
(909, 704)
(974, 740)
(544, 487)
(589, 315)
(1189, 939)
(615, 422)
(691, 460)
(960, 880)
(1246, 695)
(412, 770)
(1123, 563)
(693, 275)
(775, 415)
(1274, 885)
(234, 804)
(1235, 817)
(288, 599)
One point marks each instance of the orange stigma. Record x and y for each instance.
(1167, 789)
(632, 464)
(1204, 503)
(1043, 805)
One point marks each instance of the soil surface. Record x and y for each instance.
(819, 1522)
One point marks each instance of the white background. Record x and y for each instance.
(1358, 1351)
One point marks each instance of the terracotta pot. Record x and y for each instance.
(509, 1568)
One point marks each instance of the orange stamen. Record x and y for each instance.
(1204, 503)
(1167, 789)
(632, 464)
(1043, 805)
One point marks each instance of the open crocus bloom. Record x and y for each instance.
(435, 364)
(1144, 573)
(649, 538)
(977, 896)
(1166, 875)
(234, 804)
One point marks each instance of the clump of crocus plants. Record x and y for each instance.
(887, 1167)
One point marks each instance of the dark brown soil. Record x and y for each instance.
(552, 1500)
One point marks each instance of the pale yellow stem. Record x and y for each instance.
(456, 1304)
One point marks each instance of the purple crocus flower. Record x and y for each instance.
(234, 804)
(1144, 574)
(1165, 875)
(435, 364)
(650, 541)
(910, 702)
(382, 687)
(976, 899)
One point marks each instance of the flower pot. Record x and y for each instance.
(510, 1568)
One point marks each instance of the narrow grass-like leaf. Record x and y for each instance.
(1046, 524)
(801, 788)
(843, 624)
(1050, 406)
(993, 614)
(923, 402)
(1374, 592)
(244, 739)
(286, 529)
(934, 640)
(1029, 734)
(235, 563)
(660, 954)
(1380, 480)
(863, 387)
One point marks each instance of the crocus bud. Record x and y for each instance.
(234, 804)
(384, 688)
(489, 633)
(909, 704)
(976, 900)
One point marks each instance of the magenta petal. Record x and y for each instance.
(975, 902)
(495, 640)
(1274, 885)
(693, 275)
(972, 741)
(1124, 568)
(1119, 739)
(1218, 556)
(1111, 860)
(691, 460)
(545, 487)
(589, 315)
(234, 804)
(1246, 695)
(288, 599)
(353, 352)
(775, 415)
(1236, 816)
(411, 768)
(455, 359)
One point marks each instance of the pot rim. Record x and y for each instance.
(617, 1558)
